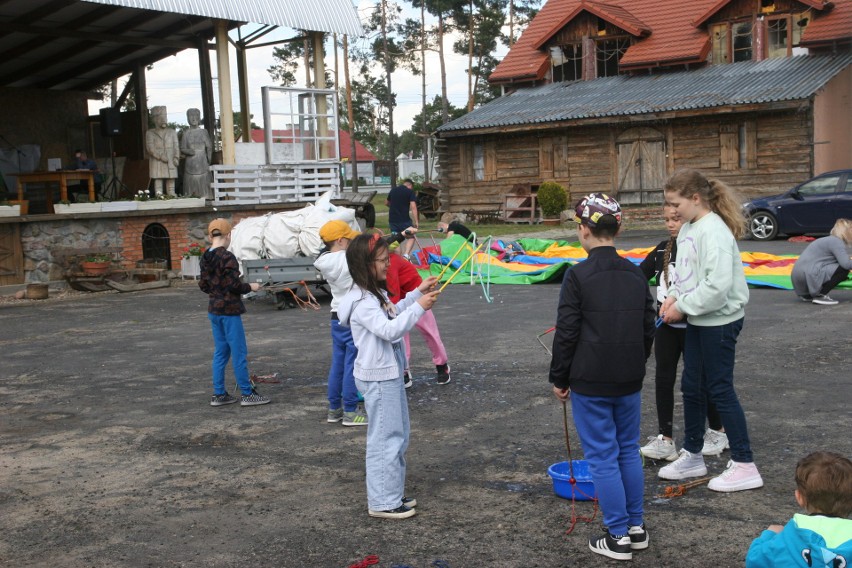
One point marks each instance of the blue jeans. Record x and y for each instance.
(388, 431)
(708, 372)
(340, 378)
(608, 427)
(229, 340)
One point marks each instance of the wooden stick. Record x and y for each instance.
(461, 248)
(441, 289)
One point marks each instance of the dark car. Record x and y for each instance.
(810, 207)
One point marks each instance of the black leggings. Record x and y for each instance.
(668, 347)
(839, 276)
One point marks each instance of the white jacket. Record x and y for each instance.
(375, 330)
(335, 271)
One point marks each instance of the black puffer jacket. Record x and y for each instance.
(604, 327)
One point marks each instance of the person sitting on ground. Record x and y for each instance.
(823, 265)
(451, 225)
(822, 537)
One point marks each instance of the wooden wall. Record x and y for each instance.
(583, 157)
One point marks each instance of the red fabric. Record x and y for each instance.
(402, 278)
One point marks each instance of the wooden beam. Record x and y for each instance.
(226, 112)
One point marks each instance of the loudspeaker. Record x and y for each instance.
(110, 122)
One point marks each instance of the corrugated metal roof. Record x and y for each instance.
(316, 15)
(772, 80)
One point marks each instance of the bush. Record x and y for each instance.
(552, 198)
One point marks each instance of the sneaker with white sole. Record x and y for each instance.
(254, 399)
(737, 477)
(824, 300)
(335, 415)
(222, 399)
(715, 443)
(406, 380)
(617, 547)
(401, 512)
(638, 537)
(659, 448)
(355, 418)
(687, 465)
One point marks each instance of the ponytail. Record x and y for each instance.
(718, 196)
(667, 258)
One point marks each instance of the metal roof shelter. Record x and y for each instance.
(82, 45)
(780, 81)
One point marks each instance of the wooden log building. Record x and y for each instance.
(614, 97)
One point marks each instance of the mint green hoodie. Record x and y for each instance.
(709, 282)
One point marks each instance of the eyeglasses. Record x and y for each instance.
(385, 260)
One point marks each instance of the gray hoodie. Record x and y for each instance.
(375, 330)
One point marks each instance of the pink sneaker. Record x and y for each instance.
(737, 477)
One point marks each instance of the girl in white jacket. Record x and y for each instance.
(378, 327)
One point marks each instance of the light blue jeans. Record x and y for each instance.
(229, 339)
(388, 431)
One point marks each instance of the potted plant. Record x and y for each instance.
(96, 264)
(190, 264)
(9, 210)
(553, 200)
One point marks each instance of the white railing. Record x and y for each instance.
(274, 183)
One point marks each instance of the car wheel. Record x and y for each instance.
(762, 226)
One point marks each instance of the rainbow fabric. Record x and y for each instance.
(546, 260)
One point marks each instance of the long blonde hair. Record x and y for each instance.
(718, 196)
(843, 230)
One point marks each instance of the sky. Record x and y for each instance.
(174, 81)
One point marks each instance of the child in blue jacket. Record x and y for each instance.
(823, 537)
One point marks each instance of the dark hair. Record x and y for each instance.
(824, 480)
(606, 228)
(361, 254)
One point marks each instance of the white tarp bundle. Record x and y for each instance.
(287, 234)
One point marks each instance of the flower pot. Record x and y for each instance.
(556, 221)
(95, 268)
(190, 267)
(183, 202)
(153, 204)
(36, 291)
(119, 206)
(10, 210)
(23, 203)
(71, 208)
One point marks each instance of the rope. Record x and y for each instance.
(368, 561)
(574, 489)
(310, 302)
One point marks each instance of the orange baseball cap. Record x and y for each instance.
(220, 226)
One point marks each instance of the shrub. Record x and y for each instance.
(552, 198)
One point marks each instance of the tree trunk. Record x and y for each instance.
(353, 159)
(424, 128)
(444, 103)
(470, 28)
(390, 93)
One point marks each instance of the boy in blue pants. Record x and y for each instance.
(342, 392)
(604, 333)
(220, 279)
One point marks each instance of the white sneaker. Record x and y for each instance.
(687, 465)
(738, 477)
(659, 448)
(715, 443)
(824, 300)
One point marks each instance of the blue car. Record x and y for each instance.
(810, 207)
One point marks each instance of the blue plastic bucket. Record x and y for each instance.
(583, 490)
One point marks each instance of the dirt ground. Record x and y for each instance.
(111, 455)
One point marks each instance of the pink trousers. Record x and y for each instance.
(428, 328)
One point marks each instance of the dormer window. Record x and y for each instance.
(734, 41)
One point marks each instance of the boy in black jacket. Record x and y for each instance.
(604, 333)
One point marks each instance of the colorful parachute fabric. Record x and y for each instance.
(545, 260)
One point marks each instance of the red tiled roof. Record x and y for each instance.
(361, 152)
(817, 4)
(673, 38)
(831, 25)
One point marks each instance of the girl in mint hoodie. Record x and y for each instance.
(709, 291)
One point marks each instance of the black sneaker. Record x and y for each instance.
(222, 399)
(401, 512)
(617, 547)
(638, 537)
(443, 376)
(254, 399)
(406, 380)
(409, 502)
